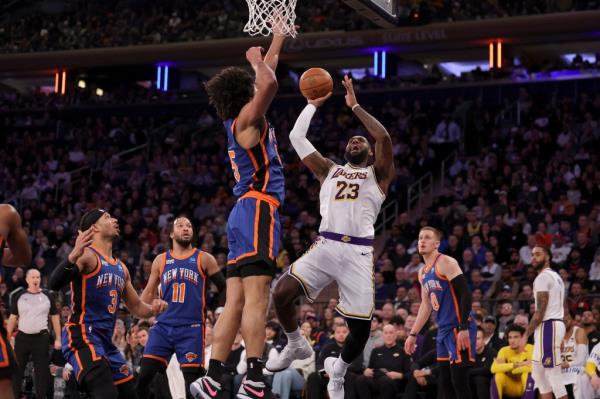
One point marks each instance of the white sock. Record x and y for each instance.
(340, 366)
(294, 337)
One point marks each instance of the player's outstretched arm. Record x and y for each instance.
(384, 156)
(138, 307)
(272, 57)
(252, 114)
(19, 251)
(312, 158)
(151, 290)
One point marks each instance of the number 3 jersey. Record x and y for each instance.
(182, 286)
(350, 201)
(95, 297)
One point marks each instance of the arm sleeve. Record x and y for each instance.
(459, 284)
(298, 134)
(53, 309)
(14, 307)
(581, 354)
(501, 367)
(62, 275)
(218, 280)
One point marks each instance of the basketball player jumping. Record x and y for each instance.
(17, 253)
(98, 282)
(182, 274)
(253, 228)
(548, 325)
(444, 290)
(351, 197)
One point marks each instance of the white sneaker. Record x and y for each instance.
(288, 355)
(205, 388)
(252, 390)
(335, 386)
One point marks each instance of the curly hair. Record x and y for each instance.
(229, 90)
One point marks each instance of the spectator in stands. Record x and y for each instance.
(560, 251)
(388, 371)
(512, 367)
(480, 375)
(576, 301)
(375, 339)
(589, 324)
(525, 251)
(490, 336)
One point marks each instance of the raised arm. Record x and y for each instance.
(251, 117)
(18, 252)
(312, 158)
(151, 290)
(384, 156)
(80, 261)
(272, 57)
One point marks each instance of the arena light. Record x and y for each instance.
(376, 63)
(491, 57)
(81, 84)
(56, 79)
(158, 77)
(499, 60)
(166, 81)
(64, 83)
(383, 64)
(99, 92)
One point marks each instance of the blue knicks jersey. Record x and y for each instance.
(256, 169)
(95, 297)
(182, 286)
(442, 298)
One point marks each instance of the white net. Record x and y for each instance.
(271, 16)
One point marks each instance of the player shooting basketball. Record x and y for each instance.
(351, 196)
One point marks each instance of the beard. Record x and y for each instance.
(182, 242)
(357, 158)
(538, 266)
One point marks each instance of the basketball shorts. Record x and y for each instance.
(446, 345)
(253, 235)
(7, 357)
(83, 346)
(349, 265)
(186, 341)
(547, 339)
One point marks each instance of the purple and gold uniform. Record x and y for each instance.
(87, 336)
(180, 329)
(253, 228)
(447, 315)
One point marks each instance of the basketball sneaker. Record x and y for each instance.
(252, 390)
(300, 351)
(205, 388)
(335, 386)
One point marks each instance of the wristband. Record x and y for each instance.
(355, 106)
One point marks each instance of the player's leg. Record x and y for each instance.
(97, 381)
(224, 332)
(308, 277)
(7, 368)
(445, 354)
(445, 384)
(189, 348)
(354, 276)
(149, 367)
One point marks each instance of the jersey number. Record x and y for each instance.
(346, 191)
(112, 308)
(236, 172)
(178, 293)
(434, 302)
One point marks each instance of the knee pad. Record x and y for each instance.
(98, 382)
(539, 377)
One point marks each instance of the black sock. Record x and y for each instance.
(255, 368)
(215, 370)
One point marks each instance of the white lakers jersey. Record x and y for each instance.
(549, 281)
(568, 355)
(350, 201)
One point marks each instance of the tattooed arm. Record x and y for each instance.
(538, 316)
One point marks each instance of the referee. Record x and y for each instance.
(29, 314)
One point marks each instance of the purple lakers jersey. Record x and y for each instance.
(258, 168)
(95, 297)
(442, 298)
(182, 286)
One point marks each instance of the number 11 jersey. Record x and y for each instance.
(350, 200)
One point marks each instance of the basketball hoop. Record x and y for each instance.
(268, 16)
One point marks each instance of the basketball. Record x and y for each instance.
(315, 83)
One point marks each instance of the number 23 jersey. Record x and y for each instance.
(350, 200)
